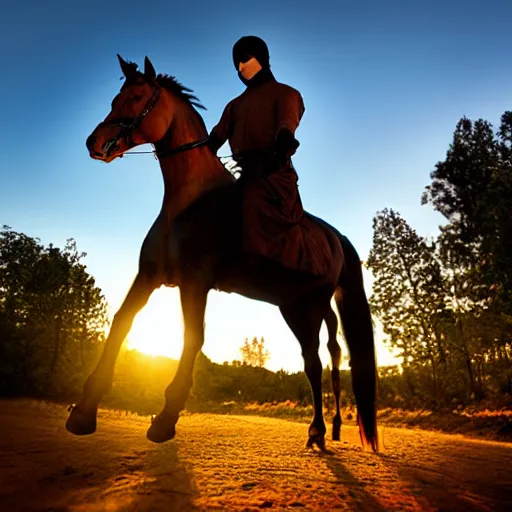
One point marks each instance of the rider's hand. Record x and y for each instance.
(286, 143)
(285, 146)
(214, 143)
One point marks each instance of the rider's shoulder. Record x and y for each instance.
(285, 87)
(273, 89)
(287, 90)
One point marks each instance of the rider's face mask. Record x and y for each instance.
(249, 66)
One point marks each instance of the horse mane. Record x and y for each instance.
(187, 95)
(171, 84)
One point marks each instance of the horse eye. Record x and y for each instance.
(137, 98)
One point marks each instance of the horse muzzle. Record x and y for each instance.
(107, 151)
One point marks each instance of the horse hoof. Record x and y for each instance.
(162, 429)
(318, 441)
(81, 423)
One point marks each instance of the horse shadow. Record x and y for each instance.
(65, 473)
(143, 480)
(356, 495)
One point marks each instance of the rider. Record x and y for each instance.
(260, 125)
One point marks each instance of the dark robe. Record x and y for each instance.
(273, 218)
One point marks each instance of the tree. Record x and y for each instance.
(408, 292)
(254, 353)
(447, 304)
(52, 315)
(472, 188)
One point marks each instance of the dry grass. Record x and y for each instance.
(482, 423)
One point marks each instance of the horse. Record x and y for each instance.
(192, 245)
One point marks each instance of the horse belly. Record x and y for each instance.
(258, 278)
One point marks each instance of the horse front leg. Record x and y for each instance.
(193, 303)
(82, 419)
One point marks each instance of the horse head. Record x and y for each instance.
(141, 113)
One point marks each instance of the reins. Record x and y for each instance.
(179, 149)
(230, 164)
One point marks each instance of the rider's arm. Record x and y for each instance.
(290, 109)
(220, 132)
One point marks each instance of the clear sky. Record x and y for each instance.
(384, 83)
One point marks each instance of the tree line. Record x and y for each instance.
(52, 317)
(446, 302)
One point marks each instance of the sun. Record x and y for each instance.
(158, 329)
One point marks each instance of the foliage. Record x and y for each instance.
(254, 353)
(408, 292)
(51, 316)
(447, 303)
(140, 381)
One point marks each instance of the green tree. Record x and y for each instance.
(408, 293)
(52, 315)
(472, 188)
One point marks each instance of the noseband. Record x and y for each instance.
(127, 125)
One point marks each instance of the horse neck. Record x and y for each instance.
(189, 174)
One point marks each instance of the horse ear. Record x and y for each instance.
(149, 70)
(125, 67)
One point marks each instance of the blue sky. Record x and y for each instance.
(384, 84)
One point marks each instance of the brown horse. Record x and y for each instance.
(193, 245)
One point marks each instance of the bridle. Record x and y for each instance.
(127, 125)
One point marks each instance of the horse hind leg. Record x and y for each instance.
(331, 320)
(82, 418)
(305, 319)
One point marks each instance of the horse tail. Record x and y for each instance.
(357, 326)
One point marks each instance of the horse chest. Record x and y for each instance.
(162, 250)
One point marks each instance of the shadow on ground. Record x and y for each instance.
(116, 469)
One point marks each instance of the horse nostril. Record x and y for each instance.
(90, 141)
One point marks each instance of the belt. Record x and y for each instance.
(264, 161)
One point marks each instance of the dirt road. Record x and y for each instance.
(236, 463)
